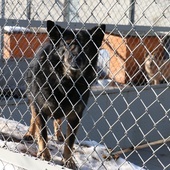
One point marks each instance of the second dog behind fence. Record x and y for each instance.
(157, 69)
(58, 81)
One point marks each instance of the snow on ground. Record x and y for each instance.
(88, 155)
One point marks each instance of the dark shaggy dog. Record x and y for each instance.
(58, 83)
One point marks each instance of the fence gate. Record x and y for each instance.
(126, 121)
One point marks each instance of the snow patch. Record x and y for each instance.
(88, 155)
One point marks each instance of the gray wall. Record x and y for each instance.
(116, 118)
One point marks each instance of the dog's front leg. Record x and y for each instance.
(57, 130)
(156, 81)
(41, 129)
(70, 138)
(31, 134)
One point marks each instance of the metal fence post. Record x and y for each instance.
(70, 13)
(132, 12)
(2, 28)
(29, 2)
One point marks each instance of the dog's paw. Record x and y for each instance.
(69, 163)
(60, 137)
(28, 137)
(44, 155)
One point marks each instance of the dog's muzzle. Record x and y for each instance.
(76, 63)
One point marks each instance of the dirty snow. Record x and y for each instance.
(88, 155)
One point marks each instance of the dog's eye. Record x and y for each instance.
(72, 47)
(61, 50)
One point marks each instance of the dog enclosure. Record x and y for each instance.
(126, 122)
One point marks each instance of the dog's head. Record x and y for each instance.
(77, 49)
(151, 60)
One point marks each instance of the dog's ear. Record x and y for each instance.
(98, 34)
(146, 54)
(54, 31)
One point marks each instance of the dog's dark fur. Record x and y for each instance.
(58, 83)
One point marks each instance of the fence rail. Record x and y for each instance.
(125, 121)
(73, 25)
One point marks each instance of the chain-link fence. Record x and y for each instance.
(118, 77)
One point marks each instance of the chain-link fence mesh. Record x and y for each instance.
(126, 119)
